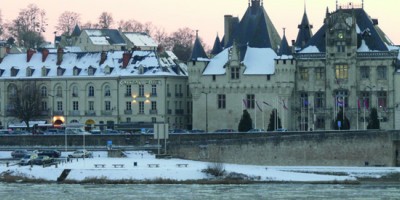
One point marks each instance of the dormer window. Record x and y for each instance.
(141, 69)
(91, 71)
(60, 71)
(108, 70)
(45, 71)
(29, 71)
(14, 71)
(235, 73)
(76, 71)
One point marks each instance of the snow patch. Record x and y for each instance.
(259, 61)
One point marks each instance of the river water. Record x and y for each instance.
(208, 192)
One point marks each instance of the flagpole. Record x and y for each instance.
(364, 113)
(263, 122)
(358, 107)
(255, 113)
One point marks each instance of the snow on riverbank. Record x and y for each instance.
(168, 169)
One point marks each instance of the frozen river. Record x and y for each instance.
(208, 192)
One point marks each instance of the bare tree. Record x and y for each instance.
(160, 36)
(106, 20)
(89, 25)
(181, 42)
(26, 102)
(67, 21)
(1, 25)
(27, 28)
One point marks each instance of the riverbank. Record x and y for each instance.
(144, 168)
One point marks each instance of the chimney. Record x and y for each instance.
(45, 53)
(103, 57)
(60, 53)
(227, 28)
(125, 58)
(3, 52)
(8, 50)
(29, 54)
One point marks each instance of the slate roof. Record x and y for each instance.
(217, 48)
(76, 32)
(305, 32)
(149, 61)
(105, 36)
(198, 50)
(284, 47)
(255, 29)
(367, 30)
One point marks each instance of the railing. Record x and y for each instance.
(153, 112)
(127, 112)
(74, 113)
(58, 112)
(106, 112)
(90, 113)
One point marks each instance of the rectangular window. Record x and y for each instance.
(141, 107)
(221, 101)
(319, 100)
(59, 105)
(75, 105)
(319, 73)
(141, 90)
(250, 101)
(341, 47)
(128, 105)
(304, 100)
(107, 105)
(303, 74)
(44, 105)
(153, 90)
(153, 105)
(235, 72)
(381, 72)
(382, 100)
(128, 90)
(320, 123)
(364, 72)
(154, 120)
(214, 78)
(341, 71)
(91, 105)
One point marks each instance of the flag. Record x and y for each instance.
(340, 102)
(358, 103)
(284, 105)
(245, 103)
(366, 104)
(266, 103)
(258, 106)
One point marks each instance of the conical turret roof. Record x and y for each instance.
(198, 50)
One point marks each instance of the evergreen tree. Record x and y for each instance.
(272, 121)
(245, 123)
(373, 122)
(344, 122)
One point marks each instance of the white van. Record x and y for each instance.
(76, 131)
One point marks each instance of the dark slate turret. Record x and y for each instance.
(76, 32)
(255, 30)
(305, 32)
(217, 48)
(198, 50)
(284, 48)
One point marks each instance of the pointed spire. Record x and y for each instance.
(76, 31)
(305, 32)
(217, 48)
(284, 47)
(198, 50)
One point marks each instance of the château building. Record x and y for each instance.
(349, 66)
(125, 90)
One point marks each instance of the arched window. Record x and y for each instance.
(59, 91)
(91, 91)
(43, 91)
(107, 91)
(75, 91)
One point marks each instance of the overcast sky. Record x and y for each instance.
(205, 15)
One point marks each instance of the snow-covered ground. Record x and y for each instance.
(168, 169)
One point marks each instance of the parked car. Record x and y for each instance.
(224, 131)
(19, 153)
(5, 132)
(178, 131)
(83, 153)
(41, 160)
(27, 159)
(76, 131)
(51, 132)
(95, 132)
(256, 130)
(281, 130)
(110, 131)
(50, 153)
(197, 131)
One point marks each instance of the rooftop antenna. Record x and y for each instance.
(262, 2)
(249, 2)
(337, 4)
(362, 4)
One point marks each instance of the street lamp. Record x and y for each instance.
(206, 110)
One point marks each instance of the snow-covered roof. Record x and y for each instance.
(89, 65)
(105, 36)
(141, 39)
(310, 49)
(259, 61)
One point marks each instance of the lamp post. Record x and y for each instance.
(206, 111)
